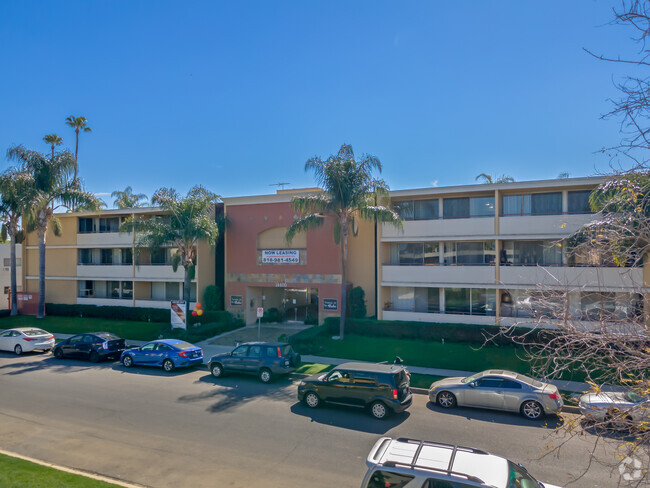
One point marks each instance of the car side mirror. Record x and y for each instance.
(231, 353)
(472, 384)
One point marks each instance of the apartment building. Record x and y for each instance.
(93, 263)
(5, 273)
(480, 254)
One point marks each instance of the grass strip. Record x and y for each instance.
(18, 473)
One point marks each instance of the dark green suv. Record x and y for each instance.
(382, 388)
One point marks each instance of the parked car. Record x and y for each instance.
(498, 390)
(382, 388)
(93, 346)
(264, 359)
(166, 353)
(25, 339)
(410, 463)
(623, 409)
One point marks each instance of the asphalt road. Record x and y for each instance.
(187, 429)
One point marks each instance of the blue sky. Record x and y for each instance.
(238, 95)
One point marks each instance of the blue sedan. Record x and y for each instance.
(166, 353)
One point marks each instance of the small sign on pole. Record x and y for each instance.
(260, 314)
(178, 314)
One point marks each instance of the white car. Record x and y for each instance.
(25, 339)
(411, 463)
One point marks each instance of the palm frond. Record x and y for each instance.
(303, 224)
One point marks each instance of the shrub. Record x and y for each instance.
(357, 303)
(272, 315)
(425, 331)
(211, 317)
(212, 298)
(5, 313)
(203, 331)
(136, 314)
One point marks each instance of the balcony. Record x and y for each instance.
(542, 226)
(611, 279)
(105, 271)
(445, 318)
(158, 272)
(393, 275)
(105, 239)
(414, 230)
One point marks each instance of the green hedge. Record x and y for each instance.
(209, 317)
(424, 331)
(136, 314)
(306, 335)
(197, 333)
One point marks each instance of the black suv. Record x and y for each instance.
(382, 388)
(264, 359)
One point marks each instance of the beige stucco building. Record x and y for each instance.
(5, 272)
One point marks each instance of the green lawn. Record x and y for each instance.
(16, 473)
(139, 331)
(450, 355)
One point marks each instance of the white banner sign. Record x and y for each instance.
(281, 256)
(178, 314)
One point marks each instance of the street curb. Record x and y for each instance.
(86, 474)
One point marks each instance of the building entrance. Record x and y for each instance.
(284, 304)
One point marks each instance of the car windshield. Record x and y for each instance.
(518, 477)
(531, 381)
(469, 379)
(34, 332)
(184, 345)
(633, 397)
(286, 350)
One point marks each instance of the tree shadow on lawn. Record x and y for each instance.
(234, 391)
(549, 422)
(20, 366)
(350, 418)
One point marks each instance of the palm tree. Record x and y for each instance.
(78, 124)
(15, 194)
(53, 188)
(53, 140)
(127, 199)
(489, 179)
(563, 175)
(185, 222)
(350, 193)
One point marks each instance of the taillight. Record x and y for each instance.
(29, 339)
(554, 396)
(394, 394)
(279, 353)
(51, 337)
(183, 354)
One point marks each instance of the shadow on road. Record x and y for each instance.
(21, 366)
(152, 370)
(349, 418)
(234, 391)
(551, 422)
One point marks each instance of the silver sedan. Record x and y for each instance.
(622, 409)
(498, 390)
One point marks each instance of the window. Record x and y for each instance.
(455, 208)
(172, 291)
(7, 262)
(415, 253)
(532, 204)
(459, 208)
(148, 347)
(85, 225)
(86, 288)
(127, 289)
(488, 382)
(113, 289)
(106, 256)
(426, 209)
(469, 252)
(579, 202)
(7, 288)
(111, 224)
(85, 256)
(546, 203)
(510, 385)
(255, 351)
(271, 352)
(158, 256)
(163, 347)
(484, 302)
(386, 479)
(127, 255)
(364, 379)
(405, 209)
(240, 352)
(457, 300)
(534, 253)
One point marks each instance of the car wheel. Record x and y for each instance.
(58, 353)
(127, 361)
(617, 421)
(265, 375)
(378, 410)
(312, 400)
(446, 399)
(168, 365)
(216, 370)
(94, 357)
(532, 410)
(18, 349)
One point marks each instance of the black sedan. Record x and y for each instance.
(93, 346)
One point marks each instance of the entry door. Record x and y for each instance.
(295, 304)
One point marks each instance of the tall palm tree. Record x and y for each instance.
(78, 124)
(185, 222)
(53, 140)
(15, 195)
(349, 194)
(499, 179)
(53, 188)
(128, 199)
